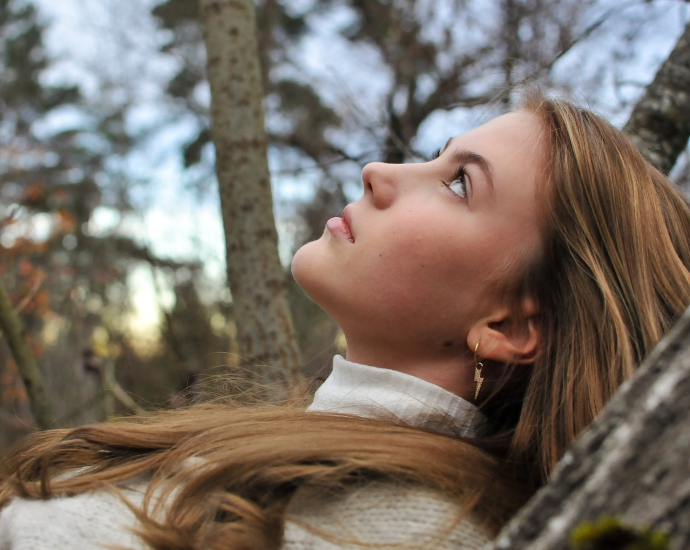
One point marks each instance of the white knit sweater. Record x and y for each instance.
(380, 514)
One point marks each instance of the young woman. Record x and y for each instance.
(493, 300)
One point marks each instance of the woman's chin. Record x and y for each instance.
(309, 266)
(314, 270)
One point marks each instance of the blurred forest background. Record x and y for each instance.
(110, 233)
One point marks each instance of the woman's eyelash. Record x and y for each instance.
(459, 177)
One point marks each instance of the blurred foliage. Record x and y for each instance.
(70, 283)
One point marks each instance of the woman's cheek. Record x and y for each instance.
(401, 273)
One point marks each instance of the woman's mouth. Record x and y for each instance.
(340, 228)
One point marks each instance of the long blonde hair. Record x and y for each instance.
(613, 279)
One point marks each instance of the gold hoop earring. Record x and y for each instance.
(478, 366)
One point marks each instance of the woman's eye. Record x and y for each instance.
(459, 187)
(459, 184)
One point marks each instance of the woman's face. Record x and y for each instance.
(412, 264)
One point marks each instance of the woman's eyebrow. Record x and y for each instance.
(463, 156)
(447, 144)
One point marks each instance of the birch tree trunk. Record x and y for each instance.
(659, 125)
(257, 281)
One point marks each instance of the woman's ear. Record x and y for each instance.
(508, 335)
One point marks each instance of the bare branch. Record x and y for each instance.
(586, 33)
(110, 384)
(659, 125)
(39, 400)
(29, 296)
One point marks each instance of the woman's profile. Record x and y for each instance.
(493, 299)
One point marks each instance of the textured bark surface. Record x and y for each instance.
(659, 126)
(632, 463)
(26, 364)
(264, 324)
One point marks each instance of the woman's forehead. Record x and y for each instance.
(510, 144)
(519, 129)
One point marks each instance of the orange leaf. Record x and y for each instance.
(60, 195)
(33, 193)
(25, 268)
(67, 220)
(42, 297)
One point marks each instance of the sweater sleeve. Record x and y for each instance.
(90, 521)
(380, 514)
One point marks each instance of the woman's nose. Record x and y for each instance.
(380, 183)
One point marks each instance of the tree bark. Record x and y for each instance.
(632, 463)
(26, 364)
(257, 281)
(659, 125)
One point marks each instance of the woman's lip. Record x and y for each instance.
(339, 227)
(347, 216)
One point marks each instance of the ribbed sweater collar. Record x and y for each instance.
(374, 392)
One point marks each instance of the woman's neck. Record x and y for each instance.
(451, 370)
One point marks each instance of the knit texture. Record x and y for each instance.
(383, 515)
(88, 521)
(380, 515)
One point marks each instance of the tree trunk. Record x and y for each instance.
(264, 324)
(71, 373)
(632, 463)
(659, 126)
(26, 363)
